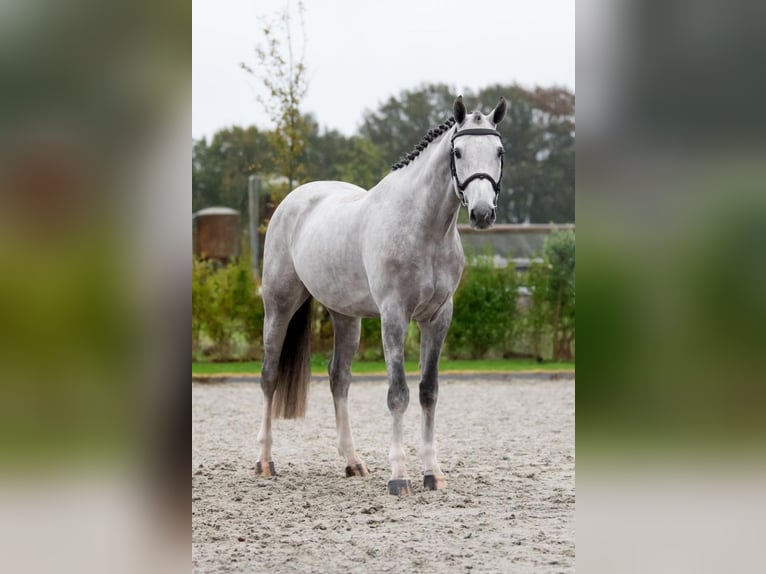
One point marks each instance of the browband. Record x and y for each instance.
(476, 132)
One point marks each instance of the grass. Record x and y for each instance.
(371, 367)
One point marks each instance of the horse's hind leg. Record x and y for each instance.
(432, 338)
(279, 308)
(346, 341)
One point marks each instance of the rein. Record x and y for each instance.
(479, 175)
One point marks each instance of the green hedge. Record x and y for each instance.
(490, 320)
(227, 312)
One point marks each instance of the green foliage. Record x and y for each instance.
(402, 120)
(539, 161)
(362, 163)
(284, 77)
(552, 300)
(201, 298)
(484, 312)
(225, 304)
(371, 343)
(535, 322)
(559, 253)
(538, 185)
(220, 168)
(489, 318)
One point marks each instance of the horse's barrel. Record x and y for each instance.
(216, 233)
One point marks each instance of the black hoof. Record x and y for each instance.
(400, 487)
(356, 470)
(433, 482)
(268, 471)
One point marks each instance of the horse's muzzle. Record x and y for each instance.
(482, 216)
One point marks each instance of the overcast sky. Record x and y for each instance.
(360, 52)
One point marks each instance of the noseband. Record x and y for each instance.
(480, 175)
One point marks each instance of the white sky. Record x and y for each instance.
(361, 52)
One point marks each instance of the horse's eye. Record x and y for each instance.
(458, 155)
(500, 152)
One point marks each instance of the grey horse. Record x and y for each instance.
(391, 252)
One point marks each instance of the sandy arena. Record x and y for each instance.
(506, 448)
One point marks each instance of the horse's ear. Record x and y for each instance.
(499, 112)
(458, 110)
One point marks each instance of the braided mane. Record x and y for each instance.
(432, 134)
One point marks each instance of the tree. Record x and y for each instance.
(220, 169)
(401, 121)
(363, 163)
(283, 74)
(539, 167)
(538, 184)
(332, 156)
(539, 136)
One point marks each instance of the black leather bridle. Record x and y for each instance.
(480, 175)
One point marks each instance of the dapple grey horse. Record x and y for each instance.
(391, 252)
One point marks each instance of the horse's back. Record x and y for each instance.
(309, 195)
(295, 209)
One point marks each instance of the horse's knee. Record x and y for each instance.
(398, 398)
(429, 394)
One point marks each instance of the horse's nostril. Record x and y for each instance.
(472, 215)
(492, 217)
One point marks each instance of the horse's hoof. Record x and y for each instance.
(434, 482)
(265, 471)
(400, 487)
(357, 470)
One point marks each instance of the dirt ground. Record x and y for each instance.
(506, 448)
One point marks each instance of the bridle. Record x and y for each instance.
(480, 175)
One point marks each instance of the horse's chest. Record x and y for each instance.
(439, 281)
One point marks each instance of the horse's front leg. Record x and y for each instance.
(394, 329)
(432, 338)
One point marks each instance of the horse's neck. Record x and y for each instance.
(424, 189)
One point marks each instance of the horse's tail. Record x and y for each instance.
(294, 370)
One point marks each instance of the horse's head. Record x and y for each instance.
(477, 161)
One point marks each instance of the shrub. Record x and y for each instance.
(551, 312)
(225, 303)
(559, 253)
(484, 311)
(371, 343)
(227, 311)
(201, 299)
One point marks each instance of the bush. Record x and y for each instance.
(227, 311)
(484, 313)
(201, 299)
(371, 343)
(225, 304)
(551, 312)
(559, 252)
